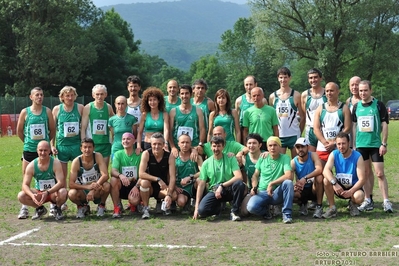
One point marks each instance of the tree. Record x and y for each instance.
(209, 68)
(241, 57)
(44, 43)
(330, 33)
(118, 54)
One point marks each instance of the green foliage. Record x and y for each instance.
(209, 68)
(342, 38)
(45, 42)
(241, 57)
(118, 55)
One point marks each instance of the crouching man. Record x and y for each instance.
(88, 180)
(349, 179)
(125, 178)
(224, 178)
(49, 183)
(272, 183)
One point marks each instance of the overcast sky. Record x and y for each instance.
(100, 3)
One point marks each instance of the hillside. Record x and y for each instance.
(195, 25)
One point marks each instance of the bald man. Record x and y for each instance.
(121, 123)
(272, 183)
(330, 118)
(244, 101)
(172, 100)
(260, 118)
(49, 183)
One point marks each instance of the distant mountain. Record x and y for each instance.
(190, 20)
(180, 32)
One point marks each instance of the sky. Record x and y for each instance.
(100, 3)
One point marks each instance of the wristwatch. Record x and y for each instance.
(191, 177)
(384, 144)
(201, 144)
(158, 179)
(333, 182)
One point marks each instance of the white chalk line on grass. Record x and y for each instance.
(396, 246)
(107, 245)
(24, 234)
(21, 235)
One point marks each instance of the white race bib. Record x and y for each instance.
(330, 134)
(100, 127)
(71, 129)
(365, 123)
(345, 179)
(186, 131)
(90, 177)
(37, 131)
(283, 109)
(130, 172)
(46, 184)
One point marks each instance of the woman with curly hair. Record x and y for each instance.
(225, 117)
(153, 119)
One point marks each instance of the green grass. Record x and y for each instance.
(250, 242)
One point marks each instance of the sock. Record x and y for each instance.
(371, 197)
(386, 200)
(367, 200)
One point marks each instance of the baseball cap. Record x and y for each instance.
(302, 141)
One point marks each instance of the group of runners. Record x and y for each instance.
(192, 153)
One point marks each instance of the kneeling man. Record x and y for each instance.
(272, 183)
(124, 176)
(224, 177)
(88, 180)
(49, 183)
(349, 178)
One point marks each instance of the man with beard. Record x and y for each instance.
(309, 179)
(349, 176)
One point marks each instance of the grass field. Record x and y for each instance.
(369, 239)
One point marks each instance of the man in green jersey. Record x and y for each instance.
(272, 183)
(202, 101)
(125, 175)
(49, 183)
(233, 147)
(260, 118)
(224, 179)
(88, 180)
(95, 121)
(370, 124)
(186, 119)
(244, 101)
(187, 173)
(172, 100)
(35, 123)
(67, 117)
